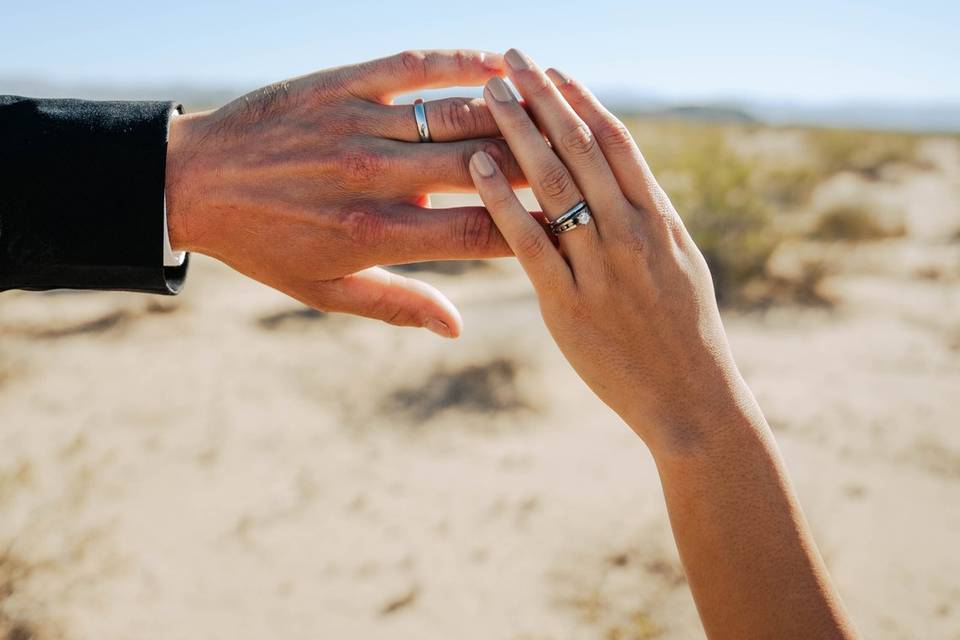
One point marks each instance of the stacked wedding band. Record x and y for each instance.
(578, 215)
(421, 116)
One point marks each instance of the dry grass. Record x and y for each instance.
(445, 267)
(480, 388)
(12, 625)
(853, 223)
(739, 203)
(788, 183)
(295, 319)
(864, 152)
(711, 186)
(803, 287)
(787, 186)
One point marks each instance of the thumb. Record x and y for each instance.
(383, 295)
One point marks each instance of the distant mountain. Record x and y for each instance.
(191, 95)
(702, 113)
(930, 117)
(927, 117)
(921, 117)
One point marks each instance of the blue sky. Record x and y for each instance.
(811, 51)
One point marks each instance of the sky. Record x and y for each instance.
(812, 51)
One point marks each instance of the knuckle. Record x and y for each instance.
(538, 86)
(573, 94)
(458, 115)
(614, 135)
(532, 243)
(363, 227)
(387, 307)
(554, 181)
(477, 233)
(579, 141)
(392, 313)
(496, 149)
(501, 199)
(412, 63)
(382, 307)
(461, 58)
(490, 147)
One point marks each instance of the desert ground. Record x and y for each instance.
(229, 464)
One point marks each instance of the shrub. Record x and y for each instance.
(802, 286)
(865, 152)
(852, 223)
(787, 186)
(480, 388)
(711, 188)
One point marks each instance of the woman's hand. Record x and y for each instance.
(307, 184)
(628, 297)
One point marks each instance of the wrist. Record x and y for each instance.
(702, 425)
(182, 179)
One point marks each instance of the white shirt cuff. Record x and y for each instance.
(171, 258)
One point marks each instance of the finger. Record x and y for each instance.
(529, 241)
(448, 119)
(550, 180)
(406, 170)
(403, 233)
(622, 153)
(410, 70)
(570, 138)
(395, 299)
(445, 166)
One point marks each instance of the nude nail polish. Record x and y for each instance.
(516, 60)
(483, 164)
(499, 89)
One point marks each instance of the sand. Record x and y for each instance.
(226, 464)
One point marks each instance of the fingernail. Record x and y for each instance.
(499, 89)
(438, 327)
(483, 164)
(558, 77)
(516, 60)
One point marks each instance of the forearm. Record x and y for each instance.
(745, 545)
(629, 299)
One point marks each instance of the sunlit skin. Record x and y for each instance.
(309, 184)
(629, 300)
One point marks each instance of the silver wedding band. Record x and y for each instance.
(578, 215)
(420, 114)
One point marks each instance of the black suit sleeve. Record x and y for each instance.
(82, 195)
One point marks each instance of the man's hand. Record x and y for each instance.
(309, 184)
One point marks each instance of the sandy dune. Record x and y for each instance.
(226, 464)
